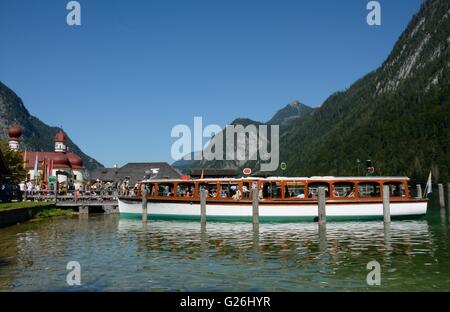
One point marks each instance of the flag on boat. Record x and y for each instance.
(428, 187)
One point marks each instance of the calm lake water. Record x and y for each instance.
(124, 255)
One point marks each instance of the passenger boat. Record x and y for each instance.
(280, 198)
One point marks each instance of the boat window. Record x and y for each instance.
(211, 189)
(150, 189)
(344, 190)
(369, 189)
(395, 188)
(165, 189)
(185, 189)
(271, 190)
(229, 190)
(294, 190)
(246, 187)
(313, 189)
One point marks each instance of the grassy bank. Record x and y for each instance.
(49, 213)
(14, 213)
(18, 205)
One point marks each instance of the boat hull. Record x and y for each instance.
(279, 211)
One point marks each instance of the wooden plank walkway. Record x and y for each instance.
(77, 201)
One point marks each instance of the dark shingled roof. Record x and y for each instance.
(104, 174)
(135, 171)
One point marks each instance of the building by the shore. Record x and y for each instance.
(58, 164)
(134, 172)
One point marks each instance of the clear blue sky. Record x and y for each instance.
(119, 82)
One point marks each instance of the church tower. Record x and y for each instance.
(60, 142)
(14, 132)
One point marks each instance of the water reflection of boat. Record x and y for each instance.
(367, 230)
(279, 240)
(280, 198)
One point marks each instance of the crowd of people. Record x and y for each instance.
(94, 188)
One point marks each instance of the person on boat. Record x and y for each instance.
(301, 195)
(351, 194)
(396, 191)
(245, 191)
(260, 194)
(237, 195)
(312, 194)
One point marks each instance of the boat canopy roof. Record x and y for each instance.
(289, 179)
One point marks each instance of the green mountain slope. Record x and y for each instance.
(36, 134)
(287, 114)
(282, 117)
(398, 115)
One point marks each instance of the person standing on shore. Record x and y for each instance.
(30, 188)
(22, 188)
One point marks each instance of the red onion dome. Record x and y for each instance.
(75, 160)
(61, 160)
(14, 132)
(60, 136)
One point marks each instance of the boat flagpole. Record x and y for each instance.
(428, 187)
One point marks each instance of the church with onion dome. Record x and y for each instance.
(58, 163)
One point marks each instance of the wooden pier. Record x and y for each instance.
(84, 204)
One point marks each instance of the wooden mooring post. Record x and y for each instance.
(203, 207)
(322, 217)
(255, 204)
(323, 237)
(144, 204)
(386, 204)
(441, 195)
(419, 191)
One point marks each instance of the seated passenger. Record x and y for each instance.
(351, 195)
(237, 195)
(301, 195)
(396, 191)
(260, 195)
